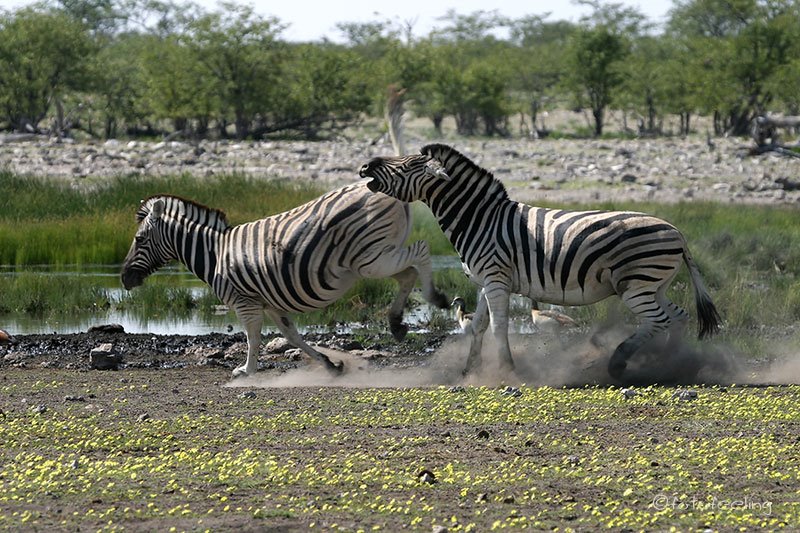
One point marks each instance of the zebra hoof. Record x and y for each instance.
(336, 369)
(398, 330)
(240, 372)
(616, 368)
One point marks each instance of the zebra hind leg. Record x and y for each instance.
(406, 279)
(291, 334)
(655, 318)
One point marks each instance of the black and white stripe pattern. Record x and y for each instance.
(296, 261)
(550, 255)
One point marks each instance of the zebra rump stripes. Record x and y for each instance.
(550, 255)
(292, 262)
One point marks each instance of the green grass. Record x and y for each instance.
(57, 222)
(38, 294)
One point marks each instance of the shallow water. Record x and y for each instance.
(194, 323)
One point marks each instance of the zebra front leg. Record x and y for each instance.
(291, 334)
(480, 321)
(252, 318)
(393, 259)
(497, 298)
(406, 279)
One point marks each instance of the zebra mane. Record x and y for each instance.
(177, 207)
(452, 159)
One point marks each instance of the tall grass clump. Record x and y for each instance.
(158, 298)
(57, 221)
(39, 295)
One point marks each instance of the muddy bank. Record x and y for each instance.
(73, 351)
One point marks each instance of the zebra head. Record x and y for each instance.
(147, 253)
(406, 177)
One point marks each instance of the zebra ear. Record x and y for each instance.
(435, 168)
(157, 209)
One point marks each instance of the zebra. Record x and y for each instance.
(549, 255)
(292, 262)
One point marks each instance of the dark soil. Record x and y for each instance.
(72, 351)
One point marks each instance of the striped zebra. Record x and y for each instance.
(550, 255)
(292, 262)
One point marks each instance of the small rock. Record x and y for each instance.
(456, 388)
(426, 476)
(278, 345)
(483, 434)
(74, 399)
(629, 393)
(514, 392)
(573, 460)
(685, 395)
(482, 497)
(143, 417)
(104, 357)
(439, 529)
(107, 328)
(248, 395)
(40, 409)
(628, 178)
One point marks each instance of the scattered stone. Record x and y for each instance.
(278, 345)
(514, 392)
(205, 352)
(350, 345)
(685, 395)
(483, 434)
(74, 399)
(629, 393)
(509, 499)
(456, 388)
(107, 328)
(39, 409)
(439, 529)
(573, 460)
(426, 476)
(482, 498)
(628, 178)
(143, 417)
(248, 395)
(104, 357)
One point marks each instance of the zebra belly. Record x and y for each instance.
(599, 288)
(272, 293)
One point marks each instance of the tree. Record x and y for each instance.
(242, 54)
(43, 54)
(537, 63)
(321, 90)
(595, 55)
(744, 44)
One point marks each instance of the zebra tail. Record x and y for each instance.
(708, 319)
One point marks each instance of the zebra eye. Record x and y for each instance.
(139, 239)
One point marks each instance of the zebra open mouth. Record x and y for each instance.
(372, 185)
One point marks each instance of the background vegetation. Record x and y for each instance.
(108, 68)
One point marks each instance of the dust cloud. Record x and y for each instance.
(571, 360)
